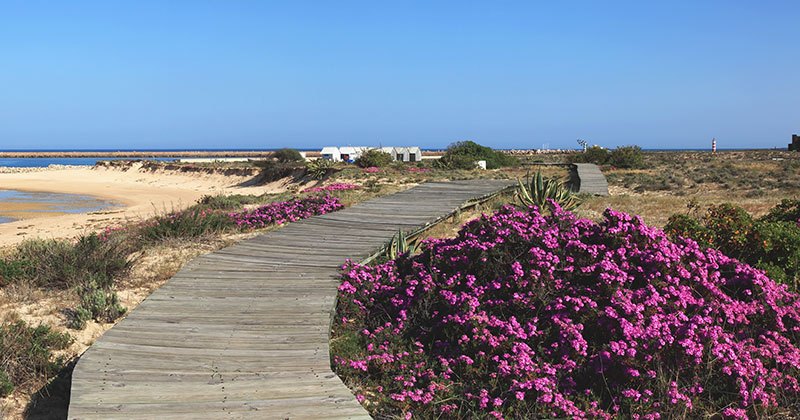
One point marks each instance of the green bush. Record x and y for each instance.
(6, 386)
(628, 157)
(287, 155)
(595, 154)
(469, 151)
(374, 157)
(456, 162)
(190, 223)
(10, 271)
(62, 264)
(776, 249)
(98, 303)
(787, 211)
(770, 244)
(226, 202)
(730, 227)
(26, 354)
(682, 225)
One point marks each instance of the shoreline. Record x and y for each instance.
(137, 194)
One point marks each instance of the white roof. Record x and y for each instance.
(347, 150)
(330, 150)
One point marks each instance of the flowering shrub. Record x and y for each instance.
(372, 170)
(338, 186)
(418, 170)
(525, 315)
(771, 243)
(286, 211)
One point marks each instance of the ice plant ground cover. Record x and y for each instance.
(338, 186)
(526, 315)
(286, 211)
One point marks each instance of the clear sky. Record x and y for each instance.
(511, 74)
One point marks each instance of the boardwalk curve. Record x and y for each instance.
(243, 332)
(590, 180)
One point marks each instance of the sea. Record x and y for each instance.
(82, 161)
(45, 162)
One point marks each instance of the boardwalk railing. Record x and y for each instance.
(243, 332)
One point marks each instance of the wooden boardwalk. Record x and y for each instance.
(243, 332)
(590, 179)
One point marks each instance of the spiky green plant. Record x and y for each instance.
(399, 245)
(318, 168)
(540, 189)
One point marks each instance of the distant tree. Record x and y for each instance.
(466, 150)
(287, 155)
(373, 157)
(629, 157)
(594, 154)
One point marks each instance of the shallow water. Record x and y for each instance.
(44, 162)
(23, 204)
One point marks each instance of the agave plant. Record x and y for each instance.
(540, 189)
(399, 245)
(318, 168)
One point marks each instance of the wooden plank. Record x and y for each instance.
(243, 332)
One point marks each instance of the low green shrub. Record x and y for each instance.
(770, 243)
(374, 158)
(190, 223)
(97, 303)
(227, 202)
(457, 162)
(6, 386)
(464, 154)
(273, 170)
(628, 157)
(595, 154)
(63, 264)
(26, 354)
(787, 211)
(683, 225)
(776, 249)
(287, 155)
(10, 271)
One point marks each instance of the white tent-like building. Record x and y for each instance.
(407, 154)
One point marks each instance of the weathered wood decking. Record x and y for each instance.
(590, 179)
(243, 332)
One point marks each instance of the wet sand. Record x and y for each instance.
(138, 195)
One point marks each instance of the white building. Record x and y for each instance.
(331, 153)
(407, 154)
(351, 153)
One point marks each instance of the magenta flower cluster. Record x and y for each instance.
(338, 186)
(526, 315)
(286, 211)
(372, 170)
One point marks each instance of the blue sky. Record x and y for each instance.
(261, 74)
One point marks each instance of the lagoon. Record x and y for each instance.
(15, 204)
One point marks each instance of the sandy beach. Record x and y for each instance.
(135, 194)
